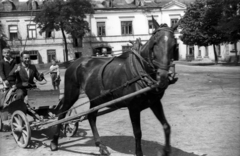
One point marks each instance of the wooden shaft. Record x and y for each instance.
(99, 107)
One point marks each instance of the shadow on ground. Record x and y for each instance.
(120, 144)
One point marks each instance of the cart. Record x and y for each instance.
(41, 105)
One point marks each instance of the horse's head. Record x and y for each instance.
(161, 47)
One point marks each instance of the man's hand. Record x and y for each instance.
(6, 82)
(42, 76)
(25, 84)
(18, 69)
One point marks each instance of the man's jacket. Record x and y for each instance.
(21, 76)
(5, 68)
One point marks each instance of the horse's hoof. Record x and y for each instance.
(53, 146)
(103, 150)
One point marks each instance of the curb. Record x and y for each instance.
(194, 63)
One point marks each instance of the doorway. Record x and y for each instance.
(176, 53)
(102, 51)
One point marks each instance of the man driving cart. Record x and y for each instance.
(21, 79)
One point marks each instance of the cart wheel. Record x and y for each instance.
(20, 128)
(70, 129)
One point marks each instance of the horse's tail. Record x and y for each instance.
(59, 106)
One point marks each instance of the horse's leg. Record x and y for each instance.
(159, 113)
(54, 142)
(136, 124)
(69, 99)
(92, 117)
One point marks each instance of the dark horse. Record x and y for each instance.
(129, 72)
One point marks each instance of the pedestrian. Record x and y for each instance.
(55, 75)
(6, 65)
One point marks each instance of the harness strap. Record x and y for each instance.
(138, 70)
(161, 66)
(100, 74)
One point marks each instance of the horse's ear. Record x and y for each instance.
(155, 23)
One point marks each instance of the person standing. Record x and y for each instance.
(55, 75)
(6, 65)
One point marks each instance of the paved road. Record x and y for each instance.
(203, 109)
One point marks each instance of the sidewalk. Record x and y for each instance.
(205, 63)
(195, 63)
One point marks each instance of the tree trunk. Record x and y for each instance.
(0, 50)
(65, 43)
(236, 53)
(215, 54)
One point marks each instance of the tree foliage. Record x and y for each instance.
(230, 20)
(192, 23)
(211, 22)
(66, 16)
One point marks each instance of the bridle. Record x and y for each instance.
(151, 60)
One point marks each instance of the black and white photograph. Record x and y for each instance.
(119, 78)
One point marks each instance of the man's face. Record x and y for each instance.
(26, 59)
(6, 53)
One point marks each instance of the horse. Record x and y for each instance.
(105, 79)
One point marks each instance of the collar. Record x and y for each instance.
(23, 65)
(8, 60)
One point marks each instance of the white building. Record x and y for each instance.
(113, 24)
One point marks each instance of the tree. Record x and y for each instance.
(212, 17)
(66, 16)
(230, 22)
(191, 24)
(3, 40)
(199, 24)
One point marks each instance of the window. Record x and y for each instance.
(150, 26)
(101, 29)
(33, 54)
(13, 32)
(16, 55)
(49, 34)
(174, 21)
(51, 54)
(77, 42)
(126, 27)
(126, 48)
(191, 50)
(32, 33)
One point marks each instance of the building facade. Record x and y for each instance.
(112, 26)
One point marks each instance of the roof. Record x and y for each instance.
(99, 4)
(20, 6)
